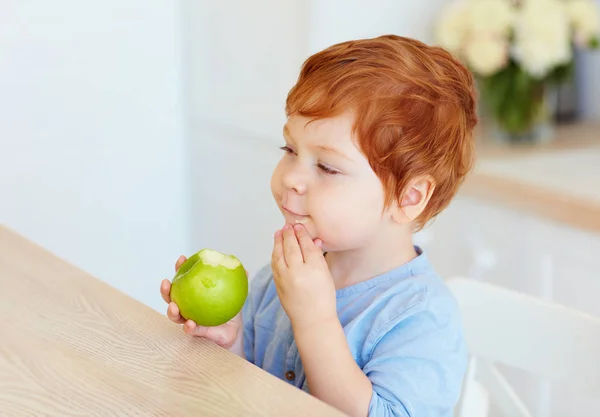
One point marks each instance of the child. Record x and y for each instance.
(377, 141)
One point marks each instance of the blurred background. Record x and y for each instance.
(135, 131)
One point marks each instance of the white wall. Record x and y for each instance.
(242, 57)
(92, 162)
(241, 60)
(334, 21)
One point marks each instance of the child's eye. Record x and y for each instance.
(327, 170)
(287, 149)
(322, 167)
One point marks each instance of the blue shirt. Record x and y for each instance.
(403, 328)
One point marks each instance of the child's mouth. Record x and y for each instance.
(297, 218)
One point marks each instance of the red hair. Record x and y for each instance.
(413, 105)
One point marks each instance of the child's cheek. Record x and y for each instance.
(329, 231)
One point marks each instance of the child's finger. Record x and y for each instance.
(291, 249)
(277, 258)
(180, 262)
(190, 327)
(165, 290)
(173, 314)
(308, 247)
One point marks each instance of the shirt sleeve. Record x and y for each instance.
(256, 291)
(418, 362)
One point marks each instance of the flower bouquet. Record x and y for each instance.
(517, 50)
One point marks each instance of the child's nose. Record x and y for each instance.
(295, 180)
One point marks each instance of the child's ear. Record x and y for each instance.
(414, 199)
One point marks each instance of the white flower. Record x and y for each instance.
(495, 16)
(453, 26)
(542, 36)
(585, 19)
(486, 54)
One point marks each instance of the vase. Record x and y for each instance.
(520, 108)
(538, 126)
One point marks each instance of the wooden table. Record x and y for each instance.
(70, 344)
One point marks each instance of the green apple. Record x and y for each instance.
(210, 288)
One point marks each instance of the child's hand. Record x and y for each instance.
(302, 278)
(224, 335)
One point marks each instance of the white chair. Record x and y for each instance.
(546, 339)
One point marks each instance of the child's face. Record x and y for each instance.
(326, 183)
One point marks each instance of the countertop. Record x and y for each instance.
(559, 180)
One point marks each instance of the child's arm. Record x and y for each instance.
(331, 371)
(307, 294)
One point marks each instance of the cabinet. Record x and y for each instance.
(533, 251)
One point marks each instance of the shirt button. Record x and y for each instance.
(290, 375)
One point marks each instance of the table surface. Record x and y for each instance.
(559, 181)
(71, 344)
